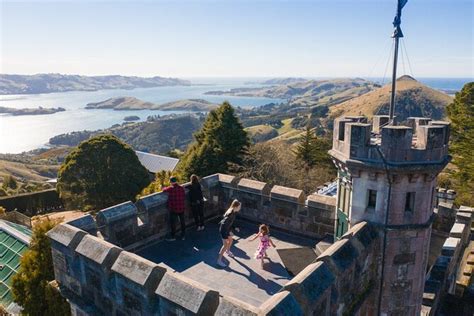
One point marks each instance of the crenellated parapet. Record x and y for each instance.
(422, 141)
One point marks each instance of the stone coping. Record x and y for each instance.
(66, 235)
(137, 269)
(98, 250)
(117, 212)
(286, 193)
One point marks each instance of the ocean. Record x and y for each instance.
(23, 133)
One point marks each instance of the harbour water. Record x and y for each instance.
(23, 133)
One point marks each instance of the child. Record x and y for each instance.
(265, 243)
(225, 229)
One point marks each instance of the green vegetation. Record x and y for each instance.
(9, 182)
(221, 142)
(156, 135)
(275, 163)
(162, 179)
(101, 172)
(30, 286)
(461, 114)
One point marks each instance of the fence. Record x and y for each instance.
(33, 203)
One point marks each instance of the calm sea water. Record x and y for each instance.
(23, 133)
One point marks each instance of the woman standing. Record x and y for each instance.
(225, 231)
(197, 202)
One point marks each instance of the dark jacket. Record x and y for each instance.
(227, 222)
(195, 194)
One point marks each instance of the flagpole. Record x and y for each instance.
(397, 33)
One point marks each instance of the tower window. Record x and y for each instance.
(410, 202)
(341, 130)
(372, 200)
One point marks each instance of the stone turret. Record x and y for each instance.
(387, 177)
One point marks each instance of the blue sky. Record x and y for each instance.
(234, 38)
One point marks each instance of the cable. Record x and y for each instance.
(408, 59)
(380, 56)
(402, 58)
(387, 65)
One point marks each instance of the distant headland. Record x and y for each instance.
(30, 111)
(47, 83)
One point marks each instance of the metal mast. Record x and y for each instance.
(397, 33)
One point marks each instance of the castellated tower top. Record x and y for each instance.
(422, 142)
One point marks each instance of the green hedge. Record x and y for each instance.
(33, 203)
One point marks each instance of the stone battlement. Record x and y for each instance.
(129, 224)
(99, 274)
(99, 277)
(422, 141)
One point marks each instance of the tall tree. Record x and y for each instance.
(30, 286)
(222, 141)
(461, 114)
(312, 150)
(101, 172)
(306, 148)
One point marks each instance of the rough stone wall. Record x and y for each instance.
(342, 281)
(441, 279)
(286, 208)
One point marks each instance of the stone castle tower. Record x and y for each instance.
(387, 177)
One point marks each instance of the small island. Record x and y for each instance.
(30, 111)
(131, 118)
(132, 103)
(121, 104)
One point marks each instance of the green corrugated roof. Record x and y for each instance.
(12, 247)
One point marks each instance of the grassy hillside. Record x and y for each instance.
(308, 93)
(412, 99)
(27, 171)
(261, 133)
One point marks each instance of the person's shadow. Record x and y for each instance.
(269, 286)
(238, 253)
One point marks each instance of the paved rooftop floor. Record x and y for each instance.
(243, 278)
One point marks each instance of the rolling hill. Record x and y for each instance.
(309, 92)
(46, 83)
(412, 99)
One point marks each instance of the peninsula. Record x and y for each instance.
(47, 83)
(30, 111)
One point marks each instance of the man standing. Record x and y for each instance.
(176, 207)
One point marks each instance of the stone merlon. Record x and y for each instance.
(422, 142)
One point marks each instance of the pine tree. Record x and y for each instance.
(461, 114)
(221, 142)
(306, 148)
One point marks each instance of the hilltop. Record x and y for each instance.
(309, 92)
(46, 83)
(412, 99)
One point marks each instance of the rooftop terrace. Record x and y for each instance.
(243, 278)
